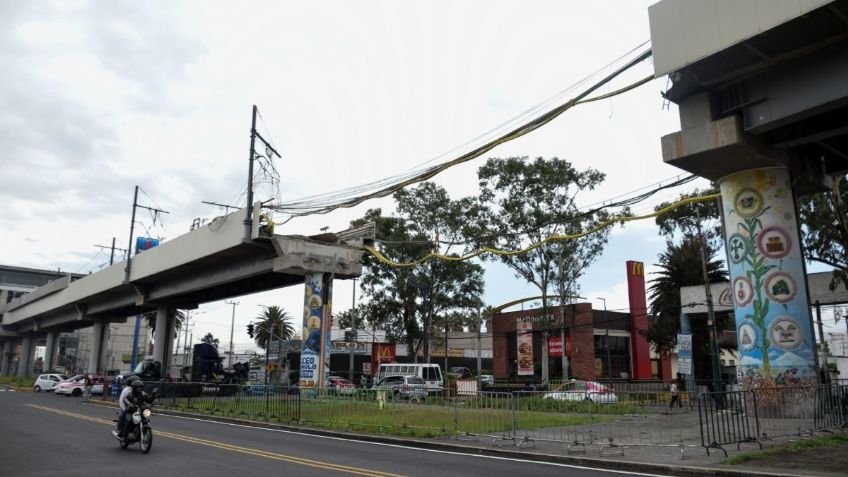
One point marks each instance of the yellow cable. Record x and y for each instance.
(552, 238)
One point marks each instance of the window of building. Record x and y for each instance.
(613, 352)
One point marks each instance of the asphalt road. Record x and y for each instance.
(43, 434)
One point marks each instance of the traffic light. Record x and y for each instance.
(250, 330)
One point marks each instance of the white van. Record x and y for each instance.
(431, 373)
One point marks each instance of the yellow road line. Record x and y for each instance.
(234, 448)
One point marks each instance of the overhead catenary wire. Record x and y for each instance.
(551, 238)
(388, 186)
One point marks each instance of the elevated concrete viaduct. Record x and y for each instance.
(211, 263)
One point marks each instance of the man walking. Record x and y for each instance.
(86, 386)
(675, 397)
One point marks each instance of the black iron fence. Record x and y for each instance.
(253, 402)
(757, 415)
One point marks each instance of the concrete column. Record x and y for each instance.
(773, 320)
(50, 350)
(160, 336)
(27, 352)
(96, 346)
(6, 358)
(315, 352)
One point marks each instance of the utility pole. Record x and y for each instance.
(352, 328)
(562, 315)
(254, 135)
(232, 326)
(606, 339)
(711, 322)
(112, 249)
(132, 231)
(479, 349)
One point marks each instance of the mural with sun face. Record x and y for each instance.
(767, 278)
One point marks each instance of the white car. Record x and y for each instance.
(46, 382)
(74, 386)
(576, 390)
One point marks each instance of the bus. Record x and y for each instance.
(431, 373)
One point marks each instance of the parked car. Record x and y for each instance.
(404, 387)
(487, 380)
(576, 390)
(74, 386)
(460, 372)
(46, 382)
(340, 385)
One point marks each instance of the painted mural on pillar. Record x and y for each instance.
(315, 311)
(767, 278)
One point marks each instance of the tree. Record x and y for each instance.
(823, 217)
(524, 202)
(680, 265)
(179, 319)
(274, 324)
(824, 223)
(352, 318)
(210, 339)
(404, 300)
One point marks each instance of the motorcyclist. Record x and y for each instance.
(125, 401)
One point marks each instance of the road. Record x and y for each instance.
(43, 434)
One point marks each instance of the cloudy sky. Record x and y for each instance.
(100, 96)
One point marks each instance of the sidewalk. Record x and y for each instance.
(669, 460)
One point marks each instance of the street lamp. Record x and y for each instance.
(606, 338)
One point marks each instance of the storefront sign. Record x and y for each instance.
(524, 343)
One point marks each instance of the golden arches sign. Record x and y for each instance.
(637, 269)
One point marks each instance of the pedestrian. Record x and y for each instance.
(86, 386)
(674, 396)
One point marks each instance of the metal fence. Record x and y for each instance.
(764, 414)
(607, 419)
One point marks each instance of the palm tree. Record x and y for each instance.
(179, 319)
(274, 324)
(680, 266)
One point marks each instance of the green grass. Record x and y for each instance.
(433, 417)
(827, 442)
(17, 381)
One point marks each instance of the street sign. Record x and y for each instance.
(684, 353)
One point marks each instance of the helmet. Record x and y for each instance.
(130, 380)
(137, 385)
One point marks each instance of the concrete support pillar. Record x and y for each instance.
(6, 358)
(315, 352)
(50, 350)
(96, 346)
(27, 352)
(162, 337)
(773, 320)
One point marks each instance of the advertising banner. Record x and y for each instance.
(768, 285)
(524, 343)
(555, 347)
(316, 333)
(145, 243)
(684, 353)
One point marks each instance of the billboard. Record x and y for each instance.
(524, 344)
(382, 353)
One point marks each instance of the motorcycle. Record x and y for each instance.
(139, 429)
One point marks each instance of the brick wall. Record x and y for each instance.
(582, 343)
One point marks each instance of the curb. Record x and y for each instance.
(632, 466)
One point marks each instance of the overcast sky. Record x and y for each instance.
(97, 97)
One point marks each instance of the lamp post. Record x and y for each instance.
(606, 338)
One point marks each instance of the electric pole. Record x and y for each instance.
(711, 322)
(254, 135)
(136, 205)
(112, 249)
(232, 327)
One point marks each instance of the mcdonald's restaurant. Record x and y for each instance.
(578, 341)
